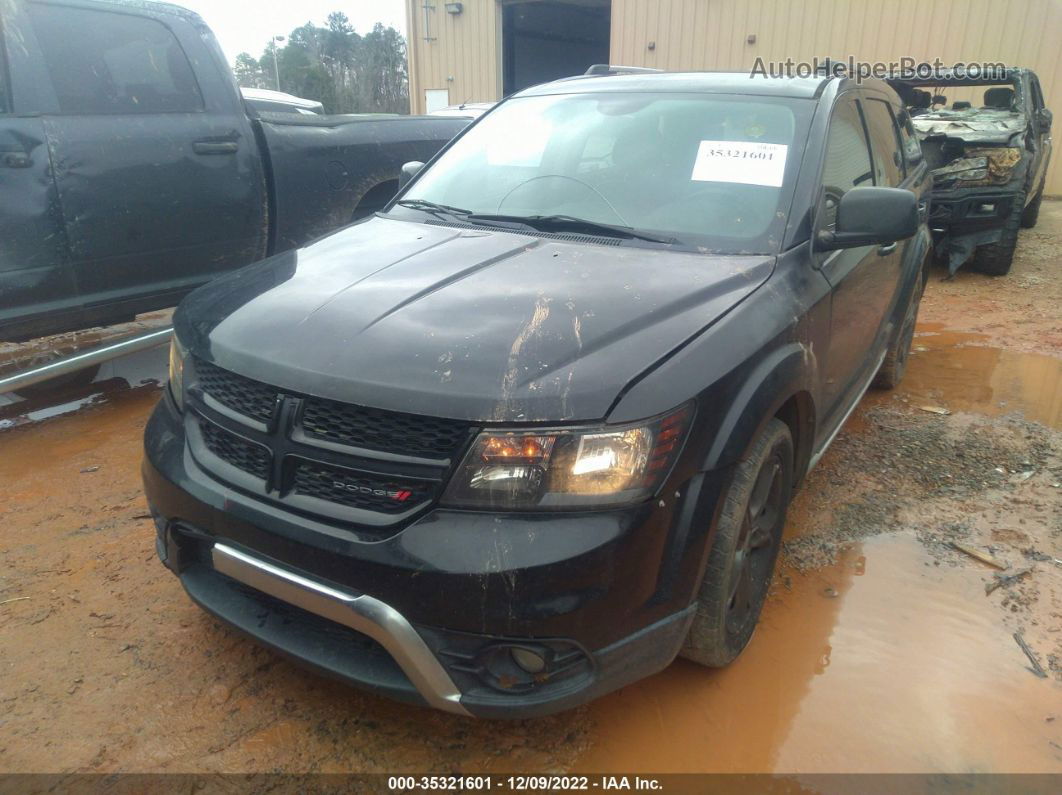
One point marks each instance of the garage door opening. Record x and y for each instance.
(546, 39)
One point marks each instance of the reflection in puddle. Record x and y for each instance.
(141, 370)
(909, 669)
(957, 371)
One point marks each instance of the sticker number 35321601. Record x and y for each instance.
(745, 162)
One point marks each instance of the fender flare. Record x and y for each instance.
(776, 380)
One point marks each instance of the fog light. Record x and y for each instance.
(528, 660)
(987, 208)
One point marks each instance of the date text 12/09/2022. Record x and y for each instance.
(521, 783)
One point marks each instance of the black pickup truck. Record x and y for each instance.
(132, 171)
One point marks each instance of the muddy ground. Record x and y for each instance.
(879, 647)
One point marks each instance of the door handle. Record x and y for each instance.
(215, 147)
(887, 249)
(15, 159)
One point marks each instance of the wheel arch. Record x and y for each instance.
(777, 387)
(375, 198)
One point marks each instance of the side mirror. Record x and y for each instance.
(872, 216)
(409, 170)
(1044, 117)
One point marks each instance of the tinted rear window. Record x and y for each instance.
(104, 62)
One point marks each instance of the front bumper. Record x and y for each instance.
(422, 617)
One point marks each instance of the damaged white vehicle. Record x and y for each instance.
(989, 157)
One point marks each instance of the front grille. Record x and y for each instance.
(243, 395)
(244, 455)
(388, 431)
(340, 453)
(358, 490)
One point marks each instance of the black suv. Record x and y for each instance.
(531, 432)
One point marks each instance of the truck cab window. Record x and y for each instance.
(129, 64)
(847, 163)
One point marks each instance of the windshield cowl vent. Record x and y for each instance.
(567, 237)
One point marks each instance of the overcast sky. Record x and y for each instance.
(247, 25)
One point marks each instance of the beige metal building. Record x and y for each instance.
(481, 50)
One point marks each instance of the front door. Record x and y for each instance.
(863, 280)
(35, 275)
(158, 179)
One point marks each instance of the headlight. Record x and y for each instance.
(177, 372)
(989, 164)
(568, 468)
(967, 169)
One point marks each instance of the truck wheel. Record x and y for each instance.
(995, 259)
(894, 365)
(741, 561)
(1032, 213)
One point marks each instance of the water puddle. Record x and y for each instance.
(883, 662)
(957, 372)
(143, 370)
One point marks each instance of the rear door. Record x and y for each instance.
(864, 280)
(156, 167)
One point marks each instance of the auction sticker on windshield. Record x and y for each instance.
(746, 162)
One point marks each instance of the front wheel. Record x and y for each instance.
(741, 561)
(1031, 214)
(995, 259)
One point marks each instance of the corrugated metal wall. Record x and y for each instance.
(713, 34)
(463, 55)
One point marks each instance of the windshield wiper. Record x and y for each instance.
(546, 223)
(434, 208)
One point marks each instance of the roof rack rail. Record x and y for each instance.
(602, 69)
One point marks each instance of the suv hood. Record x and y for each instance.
(471, 324)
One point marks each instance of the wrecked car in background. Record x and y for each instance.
(989, 159)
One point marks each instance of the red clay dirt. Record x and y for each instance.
(879, 649)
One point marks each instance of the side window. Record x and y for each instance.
(104, 62)
(847, 163)
(912, 147)
(884, 143)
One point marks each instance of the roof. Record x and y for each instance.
(946, 77)
(142, 5)
(686, 82)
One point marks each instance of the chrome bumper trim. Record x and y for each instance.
(364, 614)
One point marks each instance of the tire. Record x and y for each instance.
(1031, 214)
(995, 259)
(894, 365)
(741, 561)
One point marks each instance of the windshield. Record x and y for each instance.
(711, 171)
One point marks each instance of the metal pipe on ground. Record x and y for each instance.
(78, 361)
